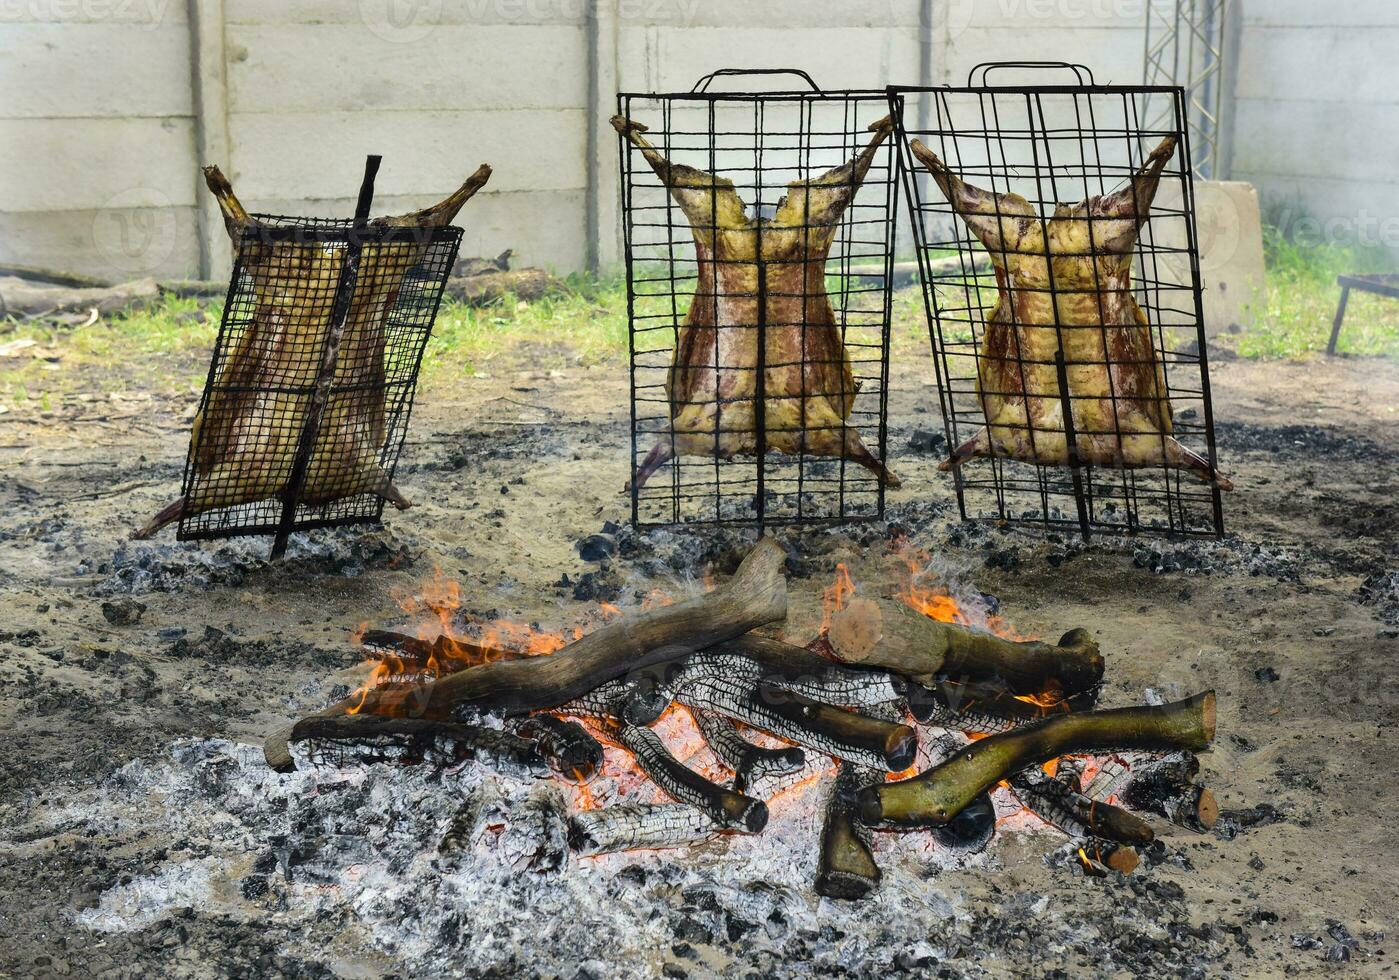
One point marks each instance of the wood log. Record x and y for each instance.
(935, 796)
(1075, 814)
(985, 707)
(367, 739)
(630, 826)
(1167, 787)
(757, 594)
(726, 808)
(19, 298)
(568, 747)
(489, 287)
(895, 744)
(846, 868)
(748, 762)
(893, 636)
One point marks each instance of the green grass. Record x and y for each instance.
(588, 320)
(1301, 301)
(165, 349)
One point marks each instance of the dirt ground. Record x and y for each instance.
(1292, 620)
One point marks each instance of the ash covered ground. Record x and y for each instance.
(141, 836)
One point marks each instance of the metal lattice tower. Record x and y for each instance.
(1187, 44)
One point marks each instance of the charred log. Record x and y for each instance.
(482, 807)
(749, 762)
(1075, 814)
(937, 795)
(566, 746)
(633, 826)
(757, 594)
(1167, 787)
(985, 708)
(924, 650)
(726, 808)
(368, 739)
(536, 831)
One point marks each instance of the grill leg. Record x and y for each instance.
(1336, 325)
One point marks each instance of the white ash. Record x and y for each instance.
(308, 846)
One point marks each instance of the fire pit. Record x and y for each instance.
(882, 689)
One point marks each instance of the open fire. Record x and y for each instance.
(676, 724)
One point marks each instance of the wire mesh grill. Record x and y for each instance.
(295, 279)
(758, 246)
(1056, 243)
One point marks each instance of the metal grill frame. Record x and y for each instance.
(765, 479)
(407, 326)
(1096, 499)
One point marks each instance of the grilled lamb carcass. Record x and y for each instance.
(244, 438)
(1077, 264)
(808, 386)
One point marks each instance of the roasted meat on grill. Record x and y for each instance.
(808, 386)
(245, 436)
(1069, 277)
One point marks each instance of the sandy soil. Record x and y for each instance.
(1286, 620)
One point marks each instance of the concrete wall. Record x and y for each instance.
(1317, 112)
(109, 105)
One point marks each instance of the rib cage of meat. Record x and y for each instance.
(1065, 284)
(244, 438)
(808, 384)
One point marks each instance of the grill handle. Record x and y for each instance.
(986, 67)
(703, 84)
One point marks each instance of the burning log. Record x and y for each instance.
(1076, 814)
(719, 379)
(1167, 787)
(749, 762)
(1069, 771)
(632, 826)
(367, 739)
(1097, 858)
(823, 728)
(935, 796)
(924, 650)
(243, 441)
(756, 594)
(811, 675)
(681, 783)
(985, 708)
(566, 746)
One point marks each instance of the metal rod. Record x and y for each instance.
(330, 357)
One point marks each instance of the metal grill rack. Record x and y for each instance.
(313, 375)
(759, 329)
(1085, 418)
